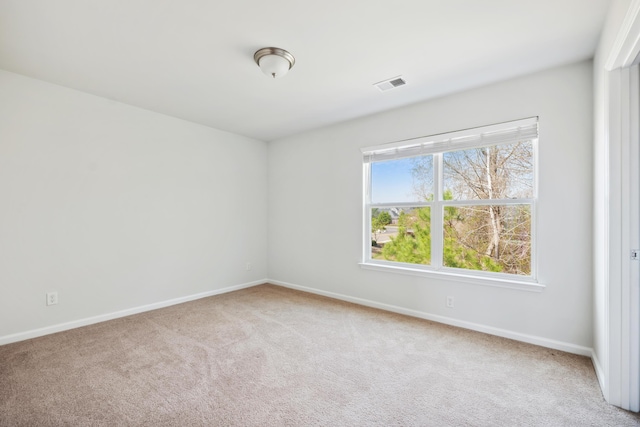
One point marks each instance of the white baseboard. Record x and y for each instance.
(517, 336)
(21, 336)
(544, 342)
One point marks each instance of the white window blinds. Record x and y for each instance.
(503, 133)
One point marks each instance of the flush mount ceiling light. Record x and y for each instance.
(273, 61)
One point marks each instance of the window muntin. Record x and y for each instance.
(467, 203)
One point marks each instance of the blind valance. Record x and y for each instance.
(503, 133)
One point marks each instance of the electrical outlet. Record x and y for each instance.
(450, 301)
(52, 298)
(248, 266)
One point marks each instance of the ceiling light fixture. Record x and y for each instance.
(273, 61)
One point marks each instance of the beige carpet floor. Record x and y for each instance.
(270, 356)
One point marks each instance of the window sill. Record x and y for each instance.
(524, 285)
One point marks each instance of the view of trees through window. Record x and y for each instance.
(483, 199)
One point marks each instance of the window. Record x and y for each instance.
(462, 202)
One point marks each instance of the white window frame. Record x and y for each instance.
(437, 145)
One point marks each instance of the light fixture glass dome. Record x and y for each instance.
(273, 61)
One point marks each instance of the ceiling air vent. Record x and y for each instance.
(391, 83)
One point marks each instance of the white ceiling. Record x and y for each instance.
(193, 59)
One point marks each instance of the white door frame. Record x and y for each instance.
(623, 290)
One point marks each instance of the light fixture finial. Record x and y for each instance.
(273, 61)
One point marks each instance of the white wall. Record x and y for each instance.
(117, 207)
(315, 209)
